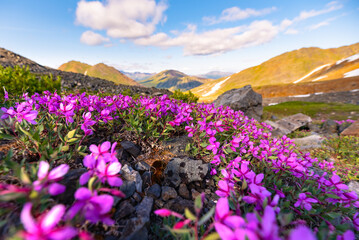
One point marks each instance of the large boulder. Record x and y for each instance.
(243, 99)
(352, 130)
(289, 124)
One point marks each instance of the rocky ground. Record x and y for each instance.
(351, 97)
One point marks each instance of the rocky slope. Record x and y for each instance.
(70, 80)
(286, 68)
(172, 79)
(99, 70)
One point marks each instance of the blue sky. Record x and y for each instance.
(193, 36)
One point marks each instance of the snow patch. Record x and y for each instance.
(318, 78)
(354, 90)
(304, 95)
(216, 87)
(315, 70)
(353, 73)
(349, 59)
(271, 104)
(318, 93)
(85, 73)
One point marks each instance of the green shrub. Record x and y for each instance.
(186, 97)
(18, 80)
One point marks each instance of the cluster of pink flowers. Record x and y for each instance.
(239, 146)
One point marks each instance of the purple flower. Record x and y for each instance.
(109, 172)
(305, 201)
(45, 228)
(348, 235)
(100, 150)
(67, 111)
(93, 207)
(334, 181)
(48, 179)
(22, 112)
(6, 95)
(301, 233)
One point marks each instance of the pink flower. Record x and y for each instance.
(48, 179)
(92, 206)
(109, 173)
(100, 150)
(301, 233)
(334, 181)
(305, 201)
(45, 228)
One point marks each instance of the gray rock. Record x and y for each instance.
(145, 207)
(312, 141)
(131, 148)
(185, 170)
(183, 191)
(294, 122)
(70, 181)
(129, 174)
(330, 127)
(142, 166)
(243, 99)
(136, 228)
(146, 179)
(154, 190)
(343, 126)
(179, 205)
(128, 188)
(137, 197)
(124, 210)
(168, 193)
(278, 130)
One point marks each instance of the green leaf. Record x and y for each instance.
(11, 196)
(24, 177)
(212, 236)
(72, 140)
(65, 148)
(332, 196)
(6, 136)
(198, 203)
(204, 144)
(71, 134)
(206, 216)
(189, 215)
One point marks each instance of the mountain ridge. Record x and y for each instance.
(172, 80)
(285, 68)
(99, 70)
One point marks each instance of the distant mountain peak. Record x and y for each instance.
(99, 70)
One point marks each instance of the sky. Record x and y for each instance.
(192, 36)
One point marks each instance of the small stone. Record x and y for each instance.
(183, 191)
(142, 166)
(128, 188)
(154, 190)
(168, 193)
(146, 179)
(179, 205)
(137, 197)
(354, 186)
(330, 126)
(195, 194)
(132, 175)
(145, 207)
(131, 148)
(124, 210)
(159, 203)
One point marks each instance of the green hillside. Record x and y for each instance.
(283, 69)
(100, 70)
(172, 80)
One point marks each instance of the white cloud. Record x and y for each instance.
(235, 13)
(215, 41)
(93, 39)
(332, 6)
(121, 18)
(291, 31)
(322, 24)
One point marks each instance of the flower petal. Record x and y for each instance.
(58, 172)
(56, 189)
(27, 219)
(43, 170)
(53, 217)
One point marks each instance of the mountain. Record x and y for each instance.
(99, 70)
(287, 68)
(172, 80)
(215, 75)
(138, 76)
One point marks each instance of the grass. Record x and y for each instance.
(316, 110)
